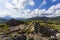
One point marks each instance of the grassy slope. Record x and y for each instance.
(54, 23)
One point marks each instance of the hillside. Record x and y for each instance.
(44, 18)
(3, 20)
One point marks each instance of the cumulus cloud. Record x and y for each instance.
(43, 3)
(37, 12)
(54, 0)
(34, 13)
(54, 11)
(3, 13)
(20, 4)
(53, 8)
(16, 8)
(31, 2)
(1, 0)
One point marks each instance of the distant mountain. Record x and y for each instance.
(38, 18)
(56, 18)
(8, 17)
(33, 18)
(3, 20)
(13, 22)
(19, 18)
(45, 18)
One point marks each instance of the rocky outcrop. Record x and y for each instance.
(30, 32)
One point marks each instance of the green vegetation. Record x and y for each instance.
(30, 28)
(46, 23)
(3, 27)
(49, 23)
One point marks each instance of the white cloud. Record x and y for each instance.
(34, 13)
(16, 9)
(31, 2)
(20, 4)
(43, 3)
(3, 13)
(38, 12)
(57, 13)
(53, 8)
(2, 0)
(54, 0)
(54, 11)
(8, 6)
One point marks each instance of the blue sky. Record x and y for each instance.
(29, 8)
(46, 6)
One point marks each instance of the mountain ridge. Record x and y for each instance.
(33, 18)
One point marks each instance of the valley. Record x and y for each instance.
(30, 30)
